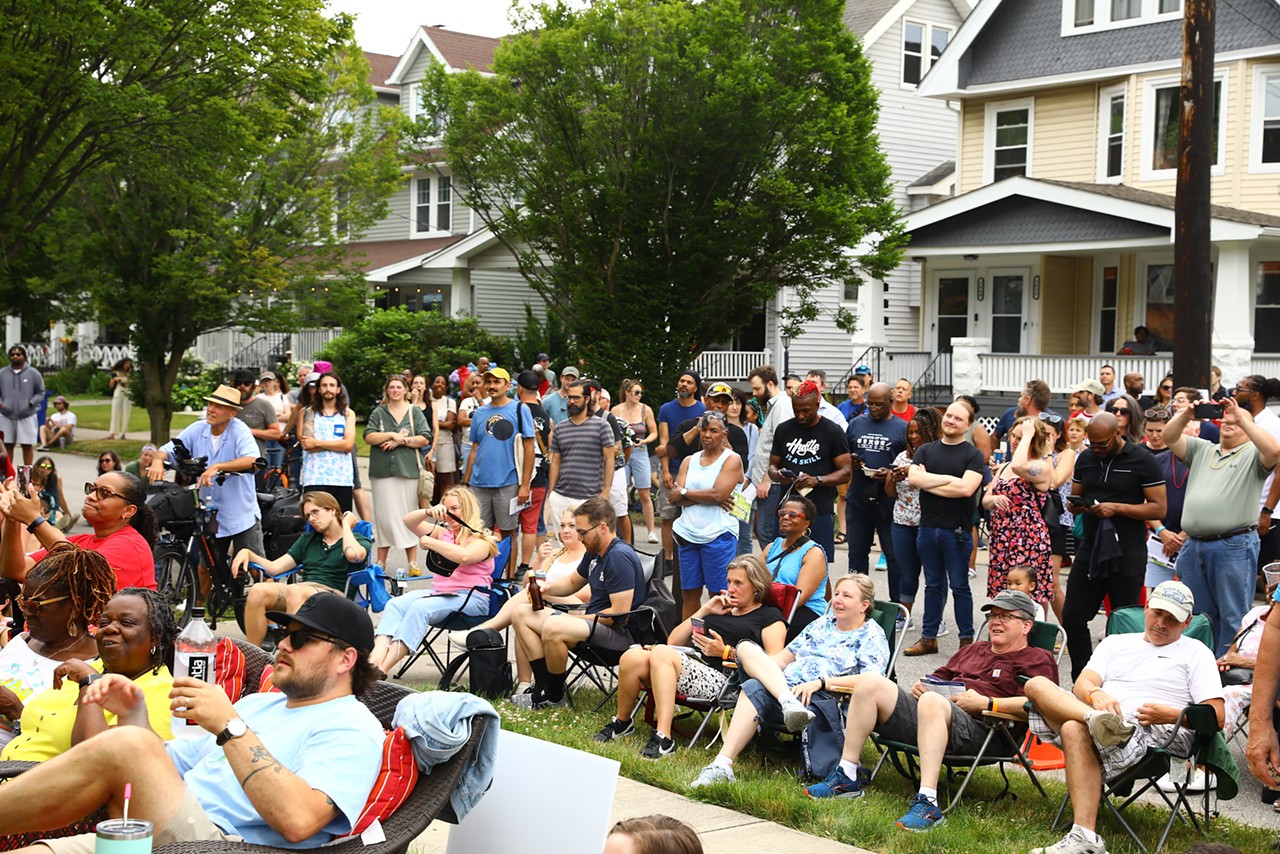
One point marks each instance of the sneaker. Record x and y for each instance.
(653, 537)
(658, 747)
(459, 638)
(973, 573)
(838, 785)
(1073, 843)
(795, 716)
(1195, 784)
(1108, 729)
(535, 701)
(943, 630)
(882, 564)
(615, 729)
(711, 775)
(923, 815)
(523, 700)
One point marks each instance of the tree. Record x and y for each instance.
(388, 342)
(239, 214)
(661, 168)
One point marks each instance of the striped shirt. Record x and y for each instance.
(581, 449)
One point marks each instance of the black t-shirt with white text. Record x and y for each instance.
(940, 458)
(811, 450)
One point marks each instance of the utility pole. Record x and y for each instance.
(1192, 268)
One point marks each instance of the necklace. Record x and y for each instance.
(50, 650)
(1219, 460)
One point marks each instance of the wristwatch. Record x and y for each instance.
(236, 727)
(683, 492)
(89, 680)
(819, 479)
(36, 523)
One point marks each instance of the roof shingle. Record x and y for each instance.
(463, 50)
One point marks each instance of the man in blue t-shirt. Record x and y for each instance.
(491, 470)
(875, 440)
(616, 577)
(687, 405)
(319, 746)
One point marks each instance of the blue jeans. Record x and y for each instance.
(1221, 575)
(767, 516)
(945, 555)
(823, 532)
(907, 556)
(859, 525)
(745, 546)
(408, 618)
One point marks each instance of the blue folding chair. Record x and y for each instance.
(499, 591)
(372, 586)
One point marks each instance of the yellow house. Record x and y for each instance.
(1059, 241)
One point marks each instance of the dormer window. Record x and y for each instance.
(1085, 16)
(922, 44)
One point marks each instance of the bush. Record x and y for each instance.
(193, 383)
(543, 336)
(85, 379)
(388, 342)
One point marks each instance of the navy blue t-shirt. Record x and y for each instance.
(673, 414)
(878, 443)
(617, 570)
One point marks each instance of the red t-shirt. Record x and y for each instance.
(907, 415)
(996, 675)
(125, 550)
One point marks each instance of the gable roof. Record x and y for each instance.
(1006, 44)
(870, 19)
(380, 67)
(455, 51)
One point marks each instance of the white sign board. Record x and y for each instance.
(545, 799)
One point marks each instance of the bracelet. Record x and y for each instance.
(1088, 695)
(1159, 531)
(995, 705)
(36, 523)
(1268, 510)
(727, 653)
(822, 680)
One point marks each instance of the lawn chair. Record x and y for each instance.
(1208, 748)
(1003, 745)
(645, 627)
(498, 592)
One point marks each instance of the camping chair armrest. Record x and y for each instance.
(565, 607)
(595, 620)
(840, 689)
(1017, 717)
(288, 573)
(1200, 718)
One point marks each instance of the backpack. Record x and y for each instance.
(489, 669)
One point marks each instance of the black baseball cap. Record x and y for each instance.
(334, 615)
(528, 380)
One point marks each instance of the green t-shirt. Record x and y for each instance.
(1222, 489)
(398, 462)
(325, 564)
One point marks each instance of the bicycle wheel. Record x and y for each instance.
(178, 583)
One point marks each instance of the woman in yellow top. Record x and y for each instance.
(135, 639)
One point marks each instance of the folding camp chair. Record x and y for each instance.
(1208, 748)
(644, 627)
(1004, 743)
(498, 592)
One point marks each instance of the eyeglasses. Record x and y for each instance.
(789, 514)
(33, 607)
(583, 533)
(298, 638)
(1166, 388)
(1004, 618)
(1050, 417)
(1157, 414)
(102, 492)
(313, 511)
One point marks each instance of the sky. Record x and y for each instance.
(386, 26)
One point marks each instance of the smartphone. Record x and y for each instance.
(699, 625)
(1077, 500)
(24, 479)
(1211, 411)
(787, 473)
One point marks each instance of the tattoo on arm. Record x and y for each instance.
(258, 753)
(244, 784)
(1034, 469)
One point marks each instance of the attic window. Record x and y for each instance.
(922, 44)
(1084, 16)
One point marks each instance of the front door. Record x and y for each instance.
(953, 309)
(1008, 303)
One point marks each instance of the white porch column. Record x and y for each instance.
(461, 295)
(871, 297)
(966, 366)
(12, 329)
(1232, 344)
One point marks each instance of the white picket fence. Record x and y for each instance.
(1009, 372)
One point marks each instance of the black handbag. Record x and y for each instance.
(1236, 676)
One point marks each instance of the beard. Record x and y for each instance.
(577, 408)
(298, 685)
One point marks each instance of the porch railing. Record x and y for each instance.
(53, 357)
(729, 365)
(1009, 372)
(1267, 366)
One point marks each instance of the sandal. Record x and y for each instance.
(840, 539)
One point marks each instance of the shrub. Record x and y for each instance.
(85, 379)
(390, 341)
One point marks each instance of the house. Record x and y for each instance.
(1059, 240)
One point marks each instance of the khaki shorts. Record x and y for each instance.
(189, 824)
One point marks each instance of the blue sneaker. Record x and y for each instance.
(882, 565)
(923, 815)
(838, 785)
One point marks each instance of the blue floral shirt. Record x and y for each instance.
(823, 651)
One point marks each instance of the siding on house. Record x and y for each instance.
(500, 297)
(1057, 304)
(396, 224)
(1066, 133)
(1083, 305)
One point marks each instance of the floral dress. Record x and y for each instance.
(1019, 537)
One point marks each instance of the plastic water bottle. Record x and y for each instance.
(193, 655)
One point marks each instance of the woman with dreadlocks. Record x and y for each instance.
(134, 639)
(124, 529)
(61, 596)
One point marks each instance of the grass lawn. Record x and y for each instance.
(97, 416)
(128, 449)
(773, 793)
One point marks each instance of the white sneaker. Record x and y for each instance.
(653, 536)
(711, 775)
(973, 573)
(1073, 843)
(943, 630)
(795, 715)
(1196, 784)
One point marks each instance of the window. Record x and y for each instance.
(1009, 134)
(851, 288)
(432, 205)
(1266, 311)
(922, 44)
(953, 310)
(1006, 312)
(1159, 319)
(1160, 148)
(1084, 16)
(1264, 147)
(413, 97)
(1111, 103)
(1107, 310)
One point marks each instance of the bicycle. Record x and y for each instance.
(276, 477)
(189, 539)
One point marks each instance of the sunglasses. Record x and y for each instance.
(298, 638)
(102, 492)
(789, 514)
(1157, 414)
(1118, 410)
(33, 607)
(1166, 388)
(1052, 419)
(44, 466)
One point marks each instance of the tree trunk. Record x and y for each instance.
(160, 373)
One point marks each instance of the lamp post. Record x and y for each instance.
(786, 356)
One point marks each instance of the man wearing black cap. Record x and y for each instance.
(288, 769)
(257, 412)
(941, 718)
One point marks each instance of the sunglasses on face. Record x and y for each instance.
(33, 607)
(102, 492)
(1119, 410)
(298, 638)
(789, 514)
(1166, 388)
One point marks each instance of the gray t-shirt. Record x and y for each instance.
(581, 449)
(1222, 489)
(259, 414)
